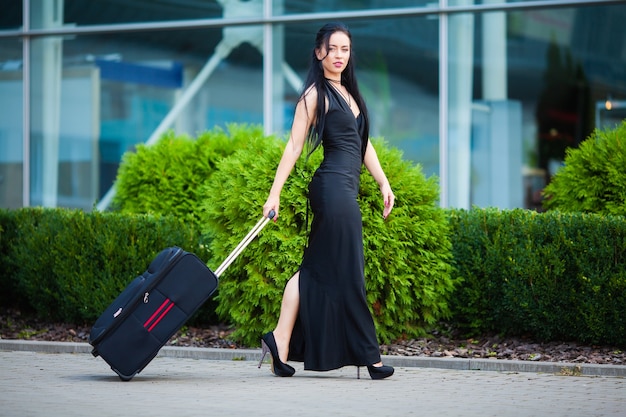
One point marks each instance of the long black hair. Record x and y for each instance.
(316, 78)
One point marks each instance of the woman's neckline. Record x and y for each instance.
(345, 98)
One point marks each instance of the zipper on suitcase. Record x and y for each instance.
(125, 311)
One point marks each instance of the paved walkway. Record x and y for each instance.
(212, 382)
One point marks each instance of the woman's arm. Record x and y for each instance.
(373, 166)
(303, 118)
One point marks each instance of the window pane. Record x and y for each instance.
(11, 152)
(524, 87)
(115, 90)
(11, 16)
(84, 13)
(479, 2)
(322, 6)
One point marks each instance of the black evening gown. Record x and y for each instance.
(334, 326)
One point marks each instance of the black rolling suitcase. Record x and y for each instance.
(151, 309)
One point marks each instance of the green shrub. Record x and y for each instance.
(164, 178)
(555, 276)
(70, 265)
(9, 296)
(406, 257)
(593, 179)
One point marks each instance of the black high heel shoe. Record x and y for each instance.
(376, 372)
(268, 344)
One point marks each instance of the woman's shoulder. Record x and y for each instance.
(309, 98)
(310, 94)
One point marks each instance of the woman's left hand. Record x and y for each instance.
(388, 199)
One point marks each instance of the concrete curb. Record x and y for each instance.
(459, 364)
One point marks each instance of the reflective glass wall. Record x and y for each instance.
(523, 87)
(488, 101)
(11, 124)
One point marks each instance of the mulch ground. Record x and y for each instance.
(13, 325)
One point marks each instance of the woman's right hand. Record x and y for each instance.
(272, 203)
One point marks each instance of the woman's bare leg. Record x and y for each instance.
(288, 315)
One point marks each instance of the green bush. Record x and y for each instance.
(554, 276)
(406, 257)
(70, 265)
(164, 178)
(9, 296)
(593, 179)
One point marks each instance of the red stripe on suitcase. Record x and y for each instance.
(156, 313)
(161, 317)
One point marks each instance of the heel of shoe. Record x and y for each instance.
(264, 350)
(358, 372)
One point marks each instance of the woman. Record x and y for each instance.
(324, 320)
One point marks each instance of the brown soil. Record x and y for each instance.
(15, 326)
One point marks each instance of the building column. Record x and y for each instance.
(46, 69)
(494, 69)
(273, 80)
(460, 73)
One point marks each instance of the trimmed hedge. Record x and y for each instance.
(407, 257)
(554, 276)
(9, 296)
(68, 265)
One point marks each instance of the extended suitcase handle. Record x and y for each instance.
(246, 240)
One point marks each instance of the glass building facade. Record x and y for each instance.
(485, 94)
